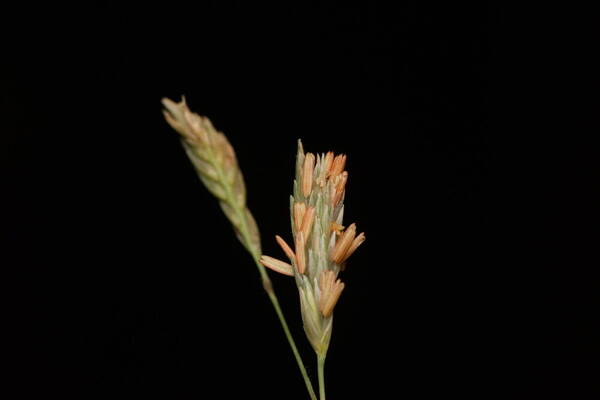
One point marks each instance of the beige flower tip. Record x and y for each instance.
(172, 113)
(176, 109)
(300, 147)
(277, 265)
(168, 103)
(179, 116)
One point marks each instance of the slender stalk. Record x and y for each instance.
(321, 366)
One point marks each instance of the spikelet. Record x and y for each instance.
(321, 244)
(216, 164)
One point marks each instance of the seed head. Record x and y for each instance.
(321, 244)
(214, 160)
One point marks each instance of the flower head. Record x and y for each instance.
(321, 244)
(217, 167)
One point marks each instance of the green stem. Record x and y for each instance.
(321, 363)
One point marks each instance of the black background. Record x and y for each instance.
(123, 278)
